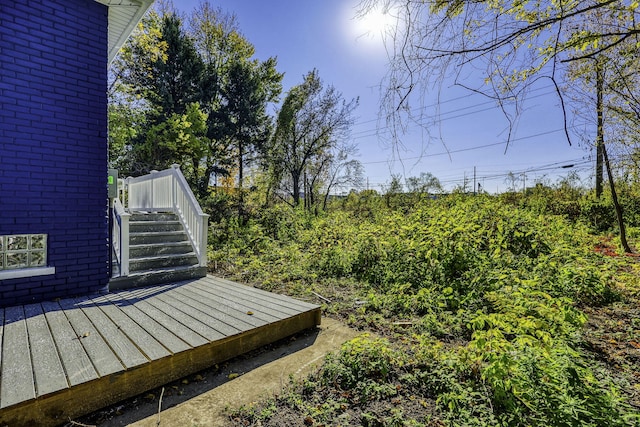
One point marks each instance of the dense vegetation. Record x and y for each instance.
(474, 309)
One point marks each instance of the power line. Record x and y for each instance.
(460, 150)
(577, 165)
(373, 132)
(439, 103)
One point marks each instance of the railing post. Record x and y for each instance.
(124, 244)
(204, 230)
(152, 195)
(174, 185)
(127, 193)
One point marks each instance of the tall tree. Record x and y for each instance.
(393, 190)
(605, 77)
(176, 76)
(311, 122)
(160, 66)
(426, 183)
(176, 80)
(160, 73)
(343, 171)
(239, 89)
(251, 86)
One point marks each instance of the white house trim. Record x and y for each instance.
(124, 15)
(21, 273)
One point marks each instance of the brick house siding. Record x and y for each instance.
(53, 142)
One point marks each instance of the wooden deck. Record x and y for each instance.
(63, 359)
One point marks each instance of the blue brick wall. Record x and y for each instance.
(53, 141)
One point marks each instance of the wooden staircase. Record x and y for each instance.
(159, 252)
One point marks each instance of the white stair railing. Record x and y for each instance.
(120, 236)
(168, 191)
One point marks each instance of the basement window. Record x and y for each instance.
(23, 255)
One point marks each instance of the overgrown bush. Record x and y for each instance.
(489, 293)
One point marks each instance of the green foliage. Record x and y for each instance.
(180, 138)
(525, 348)
(124, 122)
(489, 295)
(363, 365)
(197, 96)
(365, 204)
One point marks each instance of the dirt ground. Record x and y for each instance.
(613, 335)
(204, 399)
(612, 332)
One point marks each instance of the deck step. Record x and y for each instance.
(159, 252)
(151, 237)
(154, 226)
(161, 248)
(162, 261)
(157, 277)
(153, 216)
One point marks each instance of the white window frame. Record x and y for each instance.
(28, 270)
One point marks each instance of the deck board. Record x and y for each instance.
(48, 372)
(62, 359)
(145, 343)
(253, 300)
(75, 360)
(97, 349)
(177, 328)
(266, 295)
(239, 320)
(229, 307)
(278, 301)
(166, 338)
(261, 313)
(126, 351)
(204, 317)
(17, 376)
(196, 325)
(272, 306)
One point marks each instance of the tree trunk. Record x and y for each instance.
(614, 196)
(600, 131)
(241, 210)
(305, 190)
(295, 181)
(326, 198)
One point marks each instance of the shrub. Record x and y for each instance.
(363, 365)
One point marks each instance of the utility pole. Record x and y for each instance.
(474, 181)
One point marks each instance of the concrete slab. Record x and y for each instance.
(262, 381)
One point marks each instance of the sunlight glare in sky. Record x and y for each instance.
(368, 30)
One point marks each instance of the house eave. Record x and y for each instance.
(124, 15)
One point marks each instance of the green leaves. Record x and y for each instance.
(478, 301)
(166, 68)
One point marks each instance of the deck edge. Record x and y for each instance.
(59, 407)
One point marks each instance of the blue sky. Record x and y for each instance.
(349, 54)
